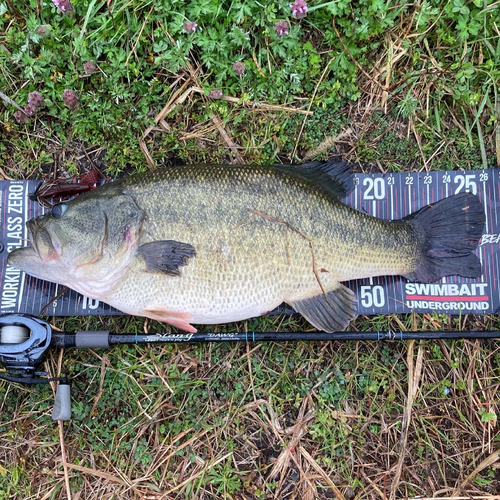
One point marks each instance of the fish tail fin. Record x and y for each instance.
(451, 230)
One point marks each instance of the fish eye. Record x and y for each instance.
(58, 210)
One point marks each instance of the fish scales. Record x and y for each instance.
(245, 260)
(212, 244)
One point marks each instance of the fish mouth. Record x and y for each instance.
(42, 243)
(23, 253)
(36, 259)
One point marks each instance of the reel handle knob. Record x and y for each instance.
(62, 403)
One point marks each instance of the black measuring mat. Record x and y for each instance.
(387, 196)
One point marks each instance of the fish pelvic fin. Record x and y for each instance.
(331, 312)
(449, 231)
(177, 319)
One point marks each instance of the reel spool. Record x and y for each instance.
(14, 334)
(23, 342)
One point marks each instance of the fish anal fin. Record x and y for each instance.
(330, 313)
(177, 319)
(166, 256)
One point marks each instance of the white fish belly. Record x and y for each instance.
(222, 284)
(201, 301)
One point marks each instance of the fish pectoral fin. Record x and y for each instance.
(179, 320)
(166, 256)
(330, 313)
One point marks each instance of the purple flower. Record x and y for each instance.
(63, 5)
(35, 100)
(299, 9)
(282, 28)
(70, 99)
(21, 117)
(215, 94)
(89, 67)
(239, 68)
(189, 27)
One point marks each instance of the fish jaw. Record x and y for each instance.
(102, 285)
(37, 258)
(81, 278)
(43, 242)
(26, 259)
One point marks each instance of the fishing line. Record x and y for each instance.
(14, 334)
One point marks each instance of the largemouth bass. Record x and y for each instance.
(207, 244)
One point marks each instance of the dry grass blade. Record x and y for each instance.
(227, 139)
(280, 467)
(138, 38)
(487, 462)
(218, 122)
(104, 364)
(204, 470)
(311, 247)
(6, 98)
(196, 437)
(328, 144)
(348, 52)
(4, 175)
(321, 472)
(310, 105)
(259, 105)
(382, 495)
(419, 143)
(149, 159)
(414, 374)
(60, 424)
(64, 462)
(180, 96)
(97, 473)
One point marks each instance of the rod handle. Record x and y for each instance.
(92, 340)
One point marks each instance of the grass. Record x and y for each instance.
(152, 419)
(391, 86)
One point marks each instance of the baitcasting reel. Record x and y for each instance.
(24, 341)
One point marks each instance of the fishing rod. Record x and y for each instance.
(25, 340)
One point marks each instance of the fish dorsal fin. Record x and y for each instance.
(335, 176)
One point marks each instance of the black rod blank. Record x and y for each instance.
(297, 336)
(71, 340)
